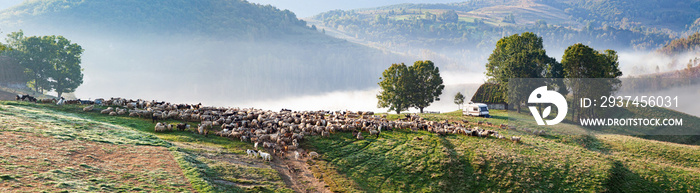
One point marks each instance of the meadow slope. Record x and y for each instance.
(402, 160)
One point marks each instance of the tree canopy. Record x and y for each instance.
(51, 62)
(395, 86)
(428, 84)
(404, 87)
(581, 61)
(459, 99)
(520, 56)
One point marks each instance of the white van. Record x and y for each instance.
(476, 109)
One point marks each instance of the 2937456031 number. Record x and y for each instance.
(639, 101)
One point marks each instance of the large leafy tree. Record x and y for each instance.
(396, 82)
(428, 84)
(520, 56)
(52, 62)
(581, 61)
(403, 87)
(66, 74)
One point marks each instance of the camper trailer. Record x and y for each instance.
(476, 109)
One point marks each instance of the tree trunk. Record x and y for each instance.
(517, 106)
(421, 110)
(59, 94)
(398, 112)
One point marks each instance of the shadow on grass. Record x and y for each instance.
(459, 173)
(622, 179)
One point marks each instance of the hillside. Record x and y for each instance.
(237, 18)
(424, 29)
(229, 52)
(396, 161)
(682, 45)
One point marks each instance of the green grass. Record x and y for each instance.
(397, 162)
(552, 163)
(69, 122)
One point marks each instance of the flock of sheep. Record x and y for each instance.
(283, 131)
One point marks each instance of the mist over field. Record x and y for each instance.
(284, 65)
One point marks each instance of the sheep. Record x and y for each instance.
(107, 111)
(265, 156)
(160, 127)
(202, 130)
(48, 100)
(359, 136)
(112, 113)
(313, 154)
(374, 132)
(182, 126)
(89, 108)
(251, 153)
(256, 145)
(515, 139)
(296, 155)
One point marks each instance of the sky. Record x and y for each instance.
(4, 4)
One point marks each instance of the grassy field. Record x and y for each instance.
(397, 161)
(60, 148)
(196, 163)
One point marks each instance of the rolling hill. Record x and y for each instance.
(399, 160)
(420, 29)
(227, 52)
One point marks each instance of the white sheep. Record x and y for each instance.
(160, 127)
(89, 108)
(296, 155)
(265, 156)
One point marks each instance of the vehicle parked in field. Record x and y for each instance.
(476, 109)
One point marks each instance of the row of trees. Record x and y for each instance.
(523, 56)
(49, 62)
(404, 87)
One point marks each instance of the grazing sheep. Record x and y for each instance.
(359, 136)
(515, 139)
(265, 156)
(160, 127)
(107, 111)
(89, 108)
(313, 155)
(374, 132)
(48, 101)
(251, 153)
(112, 113)
(182, 126)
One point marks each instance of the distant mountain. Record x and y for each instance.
(682, 45)
(308, 8)
(216, 17)
(220, 52)
(425, 29)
